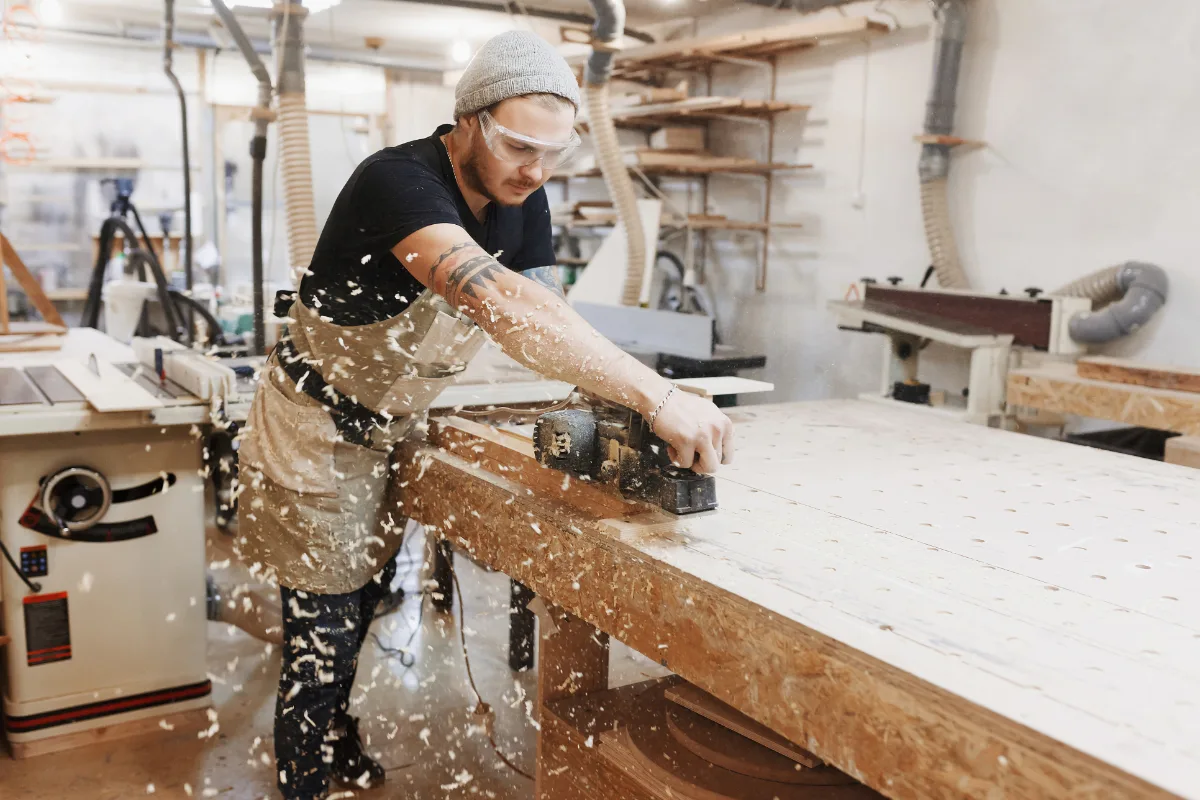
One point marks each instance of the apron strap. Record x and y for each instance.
(354, 421)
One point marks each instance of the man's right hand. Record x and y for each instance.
(698, 434)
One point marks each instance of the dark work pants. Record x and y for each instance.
(322, 636)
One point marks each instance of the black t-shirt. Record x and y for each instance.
(394, 193)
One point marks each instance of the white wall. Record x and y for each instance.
(1088, 108)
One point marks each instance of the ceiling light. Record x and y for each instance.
(460, 52)
(50, 12)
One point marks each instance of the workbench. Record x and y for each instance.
(940, 610)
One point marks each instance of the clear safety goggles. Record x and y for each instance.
(517, 148)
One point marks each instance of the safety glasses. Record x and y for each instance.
(517, 148)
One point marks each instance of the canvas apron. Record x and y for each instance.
(314, 509)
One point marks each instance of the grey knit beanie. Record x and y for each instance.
(510, 65)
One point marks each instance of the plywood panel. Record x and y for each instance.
(939, 610)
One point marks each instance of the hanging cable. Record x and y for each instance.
(480, 707)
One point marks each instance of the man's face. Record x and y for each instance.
(505, 182)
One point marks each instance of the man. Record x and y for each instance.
(430, 246)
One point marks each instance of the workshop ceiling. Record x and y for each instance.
(423, 33)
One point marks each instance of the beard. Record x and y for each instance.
(474, 174)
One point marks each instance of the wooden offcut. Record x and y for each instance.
(1183, 450)
(867, 590)
(1121, 370)
(110, 390)
(678, 138)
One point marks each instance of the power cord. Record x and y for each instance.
(481, 708)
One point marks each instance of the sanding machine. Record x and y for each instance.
(995, 330)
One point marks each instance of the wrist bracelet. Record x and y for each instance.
(659, 407)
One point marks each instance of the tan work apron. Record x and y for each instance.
(316, 512)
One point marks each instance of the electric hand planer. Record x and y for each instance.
(615, 445)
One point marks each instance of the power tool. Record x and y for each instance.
(614, 445)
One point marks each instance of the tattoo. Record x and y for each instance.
(548, 277)
(470, 278)
(448, 254)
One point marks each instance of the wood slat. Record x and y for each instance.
(111, 390)
(29, 284)
(1120, 370)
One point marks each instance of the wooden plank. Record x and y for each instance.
(724, 385)
(29, 284)
(711, 708)
(111, 390)
(184, 722)
(757, 41)
(1120, 370)
(1057, 387)
(925, 653)
(24, 337)
(1183, 450)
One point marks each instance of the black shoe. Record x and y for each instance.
(351, 766)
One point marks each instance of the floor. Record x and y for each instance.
(416, 719)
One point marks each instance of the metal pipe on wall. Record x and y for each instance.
(934, 166)
(258, 153)
(168, 48)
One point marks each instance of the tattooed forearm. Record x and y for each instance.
(548, 277)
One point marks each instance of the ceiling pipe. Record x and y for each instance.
(151, 38)
(533, 11)
(262, 116)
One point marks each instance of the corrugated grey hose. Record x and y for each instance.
(295, 156)
(610, 21)
(1138, 289)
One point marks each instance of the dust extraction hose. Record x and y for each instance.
(1127, 296)
(935, 158)
(610, 20)
(295, 154)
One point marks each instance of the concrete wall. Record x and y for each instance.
(1088, 109)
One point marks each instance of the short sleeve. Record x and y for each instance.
(537, 246)
(395, 198)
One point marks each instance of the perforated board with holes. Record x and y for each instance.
(1055, 584)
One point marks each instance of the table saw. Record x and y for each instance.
(939, 610)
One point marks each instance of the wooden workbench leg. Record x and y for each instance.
(572, 659)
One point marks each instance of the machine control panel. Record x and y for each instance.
(35, 563)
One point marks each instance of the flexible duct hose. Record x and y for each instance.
(610, 21)
(1141, 288)
(296, 165)
(1100, 287)
(943, 249)
(620, 187)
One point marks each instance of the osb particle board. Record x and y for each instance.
(1057, 387)
(940, 610)
(1121, 370)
